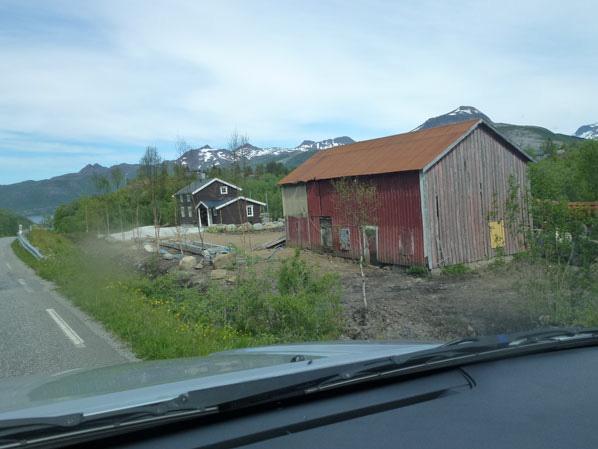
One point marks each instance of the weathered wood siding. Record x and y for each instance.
(236, 213)
(397, 216)
(212, 192)
(294, 200)
(465, 190)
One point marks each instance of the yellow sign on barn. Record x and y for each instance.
(497, 234)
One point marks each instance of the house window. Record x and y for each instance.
(189, 211)
(188, 198)
(250, 210)
(182, 211)
(223, 190)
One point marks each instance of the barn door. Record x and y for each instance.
(326, 232)
(370, 244)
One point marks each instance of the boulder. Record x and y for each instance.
(199, 265)
(216, 275)
(258, 226)
(223, 261)
(167, 256)
(231, 279)
(231, 228)
(201, 283)
(245, 227)
(187, 263)
(149, 248)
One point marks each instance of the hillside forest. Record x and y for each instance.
(124, 205)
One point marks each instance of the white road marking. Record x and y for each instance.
(64, 327)
(8, 265)
(25, 286)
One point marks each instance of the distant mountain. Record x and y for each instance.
(588, 131)
(525, 137)
(460, 114)
(205, 157)
(34, 198)
(42, 197)
(308, 145)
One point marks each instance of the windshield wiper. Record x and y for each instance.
(462, 351)
(269, 390)
(39, 430)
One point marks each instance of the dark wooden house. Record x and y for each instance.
(441, 197)
(208, 202)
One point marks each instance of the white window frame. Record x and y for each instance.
(189, 211)
(188, 198)
(249, 208)
(223, 190)
(183, 211)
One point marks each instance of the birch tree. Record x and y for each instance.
(358, 207)
(150, 174)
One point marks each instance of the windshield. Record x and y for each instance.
(197, 194)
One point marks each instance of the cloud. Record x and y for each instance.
(129, 74)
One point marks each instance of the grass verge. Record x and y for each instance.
(161, 318)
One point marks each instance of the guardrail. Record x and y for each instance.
(28, 246)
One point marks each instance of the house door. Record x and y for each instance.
(203, 215)
(326, 232)
(370, 244)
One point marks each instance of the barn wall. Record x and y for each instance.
(398, 217)
(463, 192)
(294, 200)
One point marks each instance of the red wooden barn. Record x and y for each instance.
(443, 196)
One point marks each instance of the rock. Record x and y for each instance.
(199, 266)
(218, 274)
(245, 227)
(258, 226)
(149, 248)
(167, 256)
(200, 283)
(231, 279)
(224, 261)
(187, 263)
(231, 228)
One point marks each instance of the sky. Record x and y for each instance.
(98, 81)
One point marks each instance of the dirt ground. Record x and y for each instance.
(401, 306)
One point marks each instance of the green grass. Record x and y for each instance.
(456, 270)
(160, 318)
(417, 271)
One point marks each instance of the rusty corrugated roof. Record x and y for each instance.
(402, 152)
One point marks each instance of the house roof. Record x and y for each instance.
(211, 203)
(412, 151)
(219, 204)
(249, 200)
(200, 184)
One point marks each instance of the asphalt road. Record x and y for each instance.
(40, 331)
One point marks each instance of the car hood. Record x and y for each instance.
(127, 385)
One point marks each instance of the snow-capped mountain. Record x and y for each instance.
(308, 145)
(460, 114)
(206, 156)
(588, 131)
